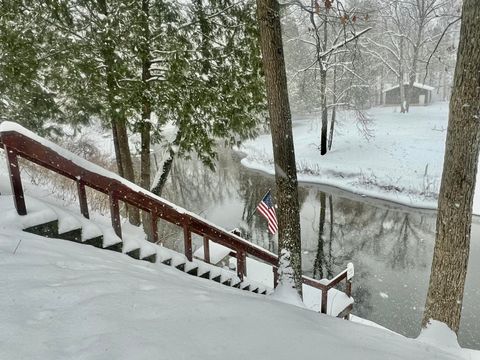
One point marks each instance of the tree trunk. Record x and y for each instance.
(117, 116)
(320, 258)
(450, 257)
(323, 91)
(145, 126)
(157, 188)
(268, 14)
(334, 109)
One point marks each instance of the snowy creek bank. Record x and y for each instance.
(390, 245)
(396, 157)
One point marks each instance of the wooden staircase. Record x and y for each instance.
(136, 249)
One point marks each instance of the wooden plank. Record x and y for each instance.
(15, 181)
(82, 198)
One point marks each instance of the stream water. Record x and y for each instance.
(390, 245)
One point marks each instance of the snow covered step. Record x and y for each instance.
(50, 220)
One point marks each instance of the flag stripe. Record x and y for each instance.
(267, 209)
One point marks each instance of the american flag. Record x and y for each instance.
(267, 209)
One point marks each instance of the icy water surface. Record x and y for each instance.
(390, 245)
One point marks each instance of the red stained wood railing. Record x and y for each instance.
(18, 144)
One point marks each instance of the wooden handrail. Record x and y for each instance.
(17, 141)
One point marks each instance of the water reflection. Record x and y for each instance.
(391, 246)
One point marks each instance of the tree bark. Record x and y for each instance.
(268, 15)
(145, 126)
(323, 90)
(157, 188)
(117, 116)
(450, 258)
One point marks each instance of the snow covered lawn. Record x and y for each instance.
(401, 162)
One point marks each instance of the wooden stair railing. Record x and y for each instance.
(18, 141)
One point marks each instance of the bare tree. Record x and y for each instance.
(450, 258)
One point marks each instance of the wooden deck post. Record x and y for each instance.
(348, 289)
(275, 276)
(115, 213)
(187, 238)
(324, 301)
(153, 224)
(241, 264)
(15, 181)
(206, 250)
(82, 199)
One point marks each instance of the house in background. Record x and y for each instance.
(422, 94)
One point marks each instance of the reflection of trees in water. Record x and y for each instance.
(347, 230)
(252, 187)
(195, 187)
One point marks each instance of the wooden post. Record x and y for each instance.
(324, 301)
(241, 264)
(275, 276)
(115, 213)
(348, 289)
(15, 181)
(82, 198)
(153, 224)
(206, 250)
(187, 237)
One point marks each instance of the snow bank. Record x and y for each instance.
(401, 162)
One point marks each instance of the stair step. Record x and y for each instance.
(135, 253)
(167, 262)
(115, 247)
(96, 241)
(255, 291)
(151, 258)
(217, 278)
(181, 267)
(193, 271)
(227, 282)
(246, 288)
(205, 275)
(72, 235)
(264, 292)
(49, 229)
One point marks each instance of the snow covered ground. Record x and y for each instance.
(401, 162)
(62, 300)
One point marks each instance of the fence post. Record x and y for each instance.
(241, 264)
(348, 289)
(206, 249)
(153, 224)
(115, 213)
(275, 276)
(324, 300)
(15, 181)
(187, 238)
(82, 198)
